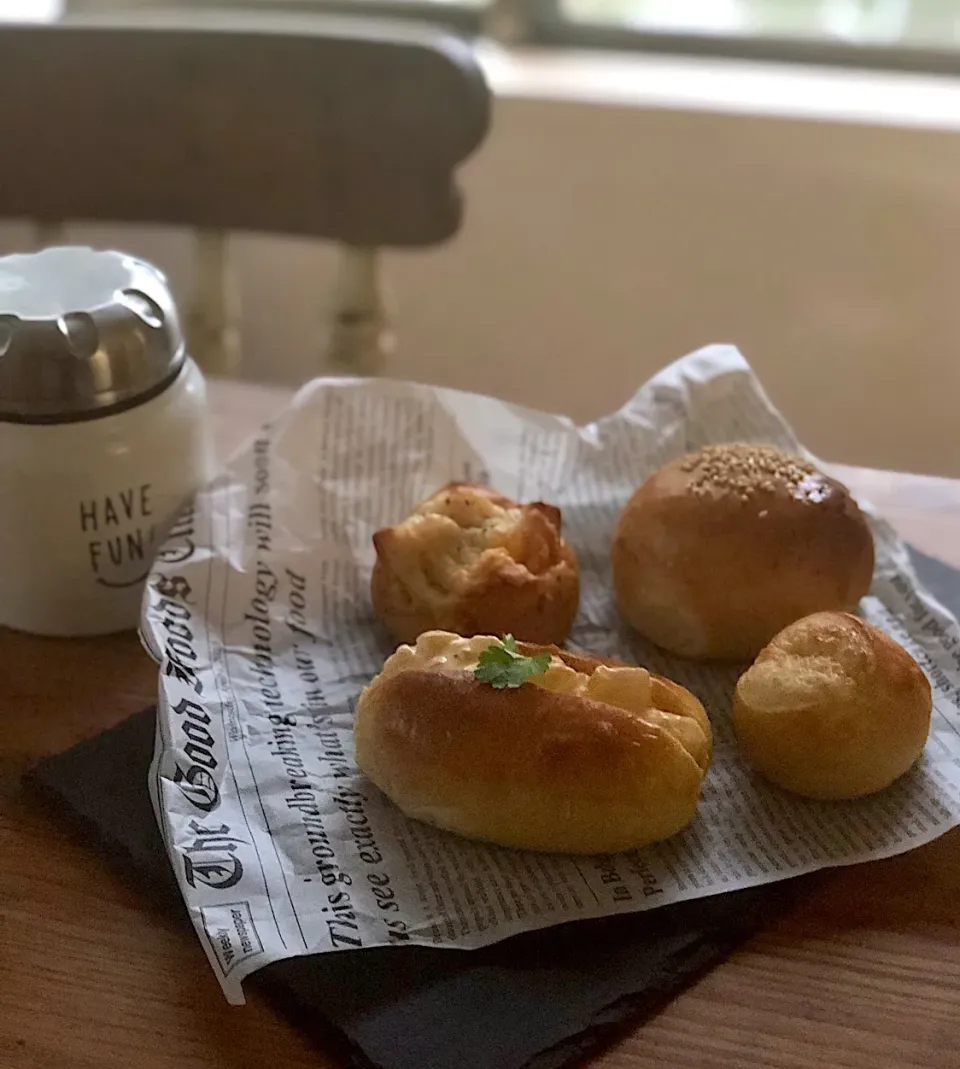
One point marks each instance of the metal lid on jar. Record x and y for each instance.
(83, 333)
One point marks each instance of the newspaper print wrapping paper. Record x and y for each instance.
(259, 615)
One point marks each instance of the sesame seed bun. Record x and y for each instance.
(720, 549)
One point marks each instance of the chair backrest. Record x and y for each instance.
(340, 129)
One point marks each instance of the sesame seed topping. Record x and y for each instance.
(746, 470)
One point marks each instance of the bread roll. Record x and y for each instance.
(590, 757)
(833, 708)
(471, 561)
(720, 549)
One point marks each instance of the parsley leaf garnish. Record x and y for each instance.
(502, 665)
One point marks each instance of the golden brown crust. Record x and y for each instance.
(719, 550)
(667, 695)
(833, 708)
(480, 564)
(530, 768)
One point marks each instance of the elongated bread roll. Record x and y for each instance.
(589, 757)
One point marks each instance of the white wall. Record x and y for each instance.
(602, 241)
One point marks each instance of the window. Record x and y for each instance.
(921, 35)
(909, 34)
(29, 10)
(905, 34)
(865, 22)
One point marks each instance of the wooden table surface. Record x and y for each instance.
(866, 973)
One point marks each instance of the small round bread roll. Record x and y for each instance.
(720, 549)
(471, 561)
(588, 757)
(833, 708)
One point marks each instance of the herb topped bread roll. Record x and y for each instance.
(720, 549)
(532, 747)
(471, 561)
(833, 708)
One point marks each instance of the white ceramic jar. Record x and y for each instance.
(104, 437)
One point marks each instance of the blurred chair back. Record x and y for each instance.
(343, 130)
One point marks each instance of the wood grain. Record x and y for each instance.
(317, 126)
(865, 974)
